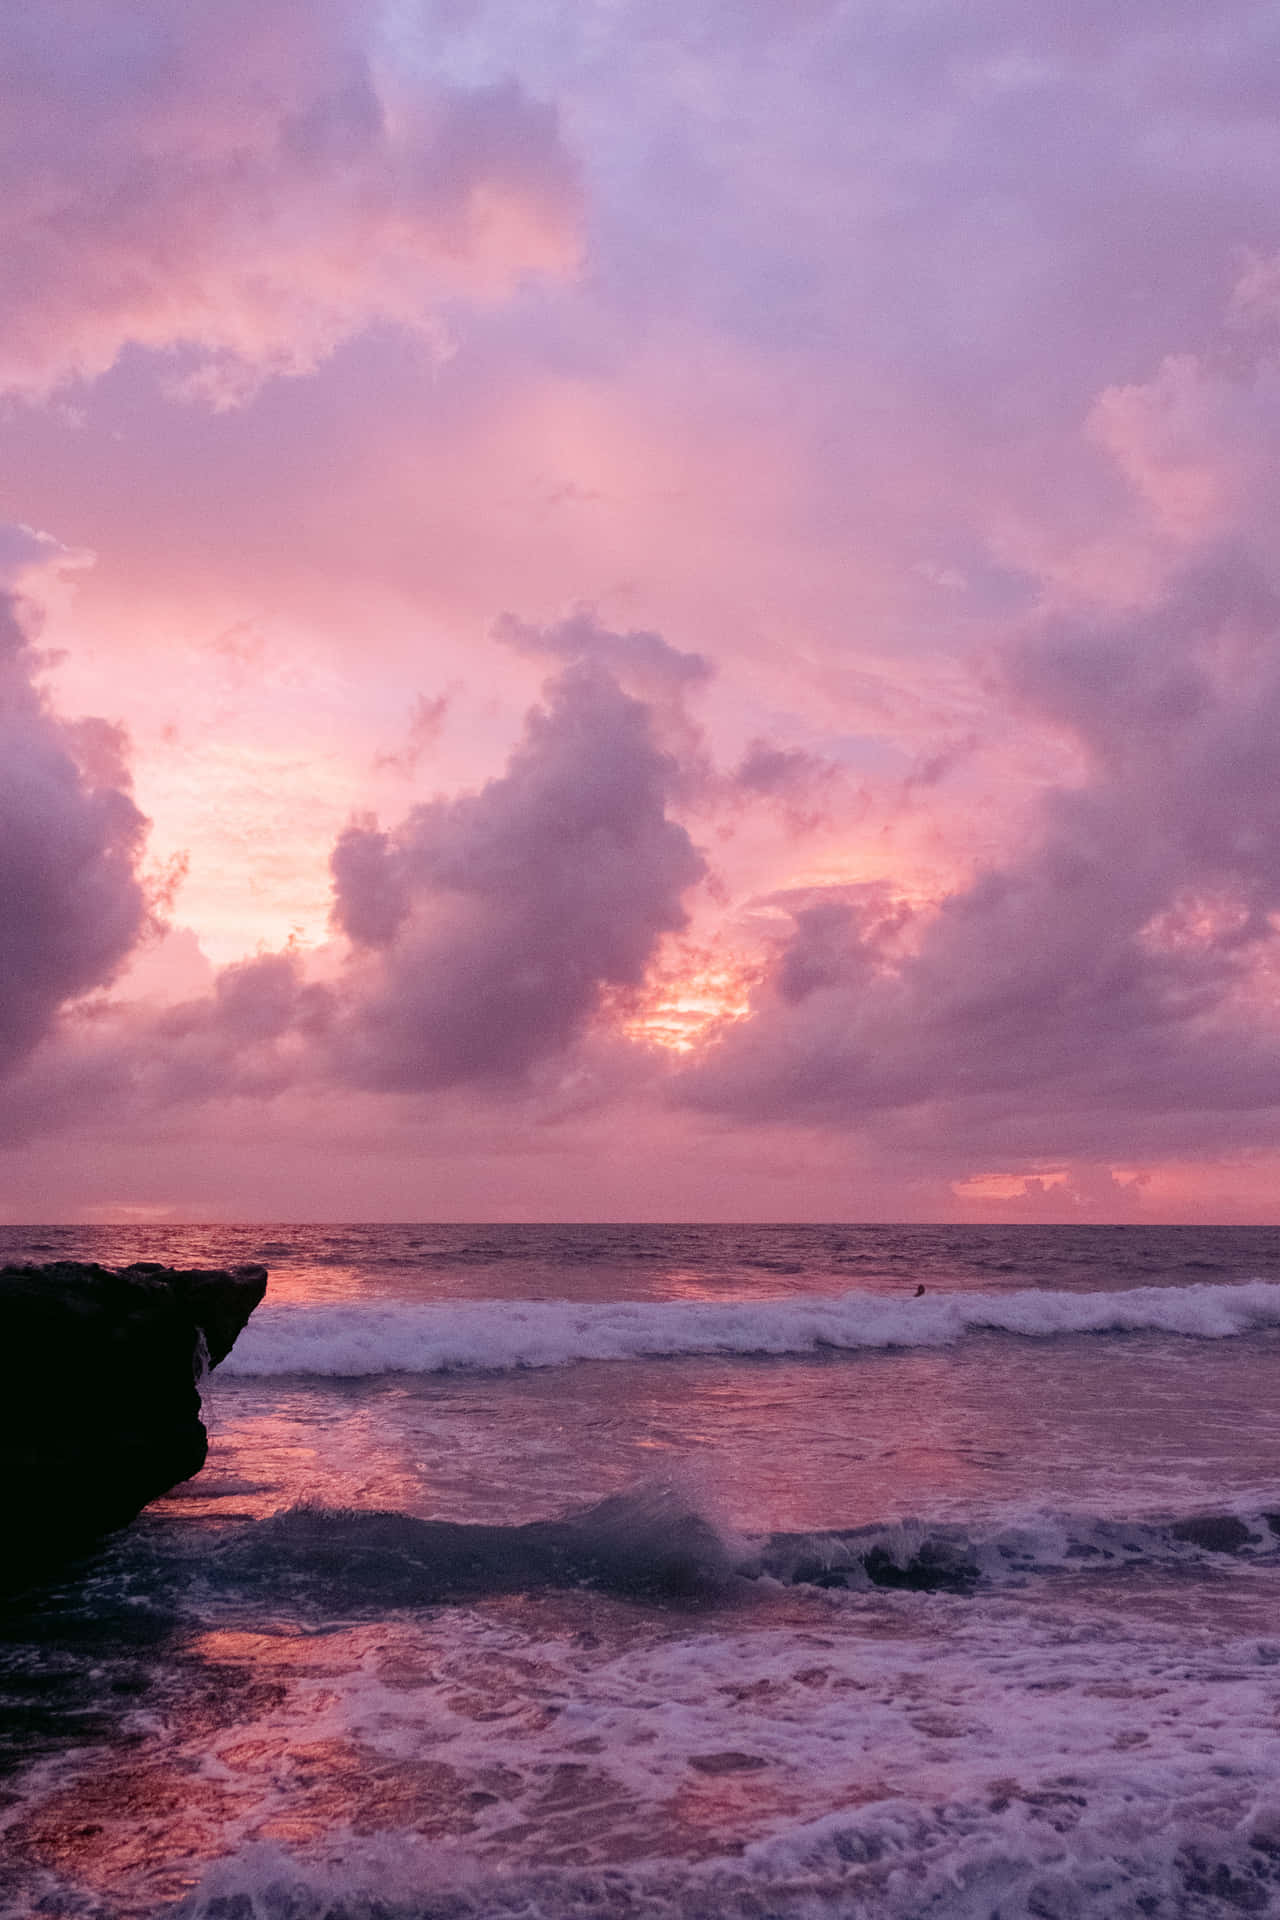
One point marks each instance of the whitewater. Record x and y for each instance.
(396, 1338)
(674, 1572)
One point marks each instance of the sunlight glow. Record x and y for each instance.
(686, 1002)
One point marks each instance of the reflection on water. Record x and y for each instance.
(670, 1262)
(451, 1730)
(573, 1729)
(1129, 1425)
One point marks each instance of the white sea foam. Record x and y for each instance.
(939, 1761)
(501, 1335)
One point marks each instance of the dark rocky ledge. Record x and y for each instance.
(99, 1400)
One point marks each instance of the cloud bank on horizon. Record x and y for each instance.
(709, 647)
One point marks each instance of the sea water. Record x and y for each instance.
(853, 1600)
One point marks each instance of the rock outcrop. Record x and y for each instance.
(99, 1398)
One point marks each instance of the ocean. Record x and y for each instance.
(665, 1572)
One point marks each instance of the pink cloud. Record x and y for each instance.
(249, 185)
(1111, 982)
(482, 932)
(71, 840)
(493, 921)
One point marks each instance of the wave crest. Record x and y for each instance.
(349, 1341)
(656, 1542)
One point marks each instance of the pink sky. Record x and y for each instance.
(640, 611)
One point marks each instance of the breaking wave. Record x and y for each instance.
(654, 1542)
(503, 1335)
(650, 1543)
(928, 1557)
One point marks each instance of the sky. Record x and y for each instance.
(620, 610)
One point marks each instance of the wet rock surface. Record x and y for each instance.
(99, 1398)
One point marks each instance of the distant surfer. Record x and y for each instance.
(919, 1290)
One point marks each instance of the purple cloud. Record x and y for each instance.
(483, 928)
(251, 185)
(648, 666)
(71, 903)
(801, 786)
(487, 926)
(1117, 977)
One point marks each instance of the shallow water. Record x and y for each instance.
(730, 1691)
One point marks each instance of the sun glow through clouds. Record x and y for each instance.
(686, 1004)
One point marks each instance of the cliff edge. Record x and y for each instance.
(99, 1399)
